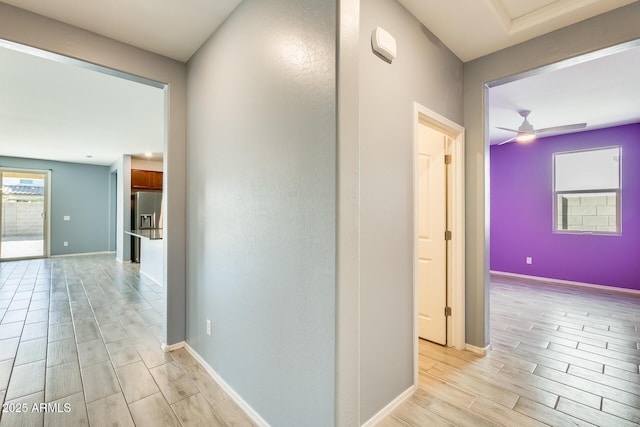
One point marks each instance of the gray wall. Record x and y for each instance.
(80, 191)
(427, 72)
(34, 30)
(261, 207)
(615, 27)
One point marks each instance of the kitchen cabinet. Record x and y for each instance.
(146, 180)
(140, 179)
(156, 180)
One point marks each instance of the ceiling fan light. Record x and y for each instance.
(525, 137)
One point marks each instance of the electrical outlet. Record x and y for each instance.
(208, 327)
(66, 243)
(67, 218)
(529, 260)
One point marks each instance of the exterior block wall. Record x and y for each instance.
(22, 219)
(587, 213)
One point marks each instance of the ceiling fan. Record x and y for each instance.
(526, 133)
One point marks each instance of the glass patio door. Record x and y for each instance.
(23, 217)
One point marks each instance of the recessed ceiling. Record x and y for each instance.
(474, 28)
(176, 29)
(602, 92)
(171, 28)
(59, 111)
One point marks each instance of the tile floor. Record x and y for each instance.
(562, 356)
(81, 335)
(80, 340)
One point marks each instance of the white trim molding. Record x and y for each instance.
(550, 281)
(456, 218)
(255, 417)
(142, 273)
(85, 254)
(167, 348)
(390, 407)
(482, 351)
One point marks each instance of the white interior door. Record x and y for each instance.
(431, 226)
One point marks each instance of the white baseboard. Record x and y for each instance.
(390, 407)
(255, 417)
(567, 282)
(81, 254)
(171, 347)
(142, 273)
(482, 351)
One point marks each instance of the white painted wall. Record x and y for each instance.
(122, 168)
(151, 262)
(146, 165)
(348, 218)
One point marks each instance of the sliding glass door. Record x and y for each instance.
(23, 217)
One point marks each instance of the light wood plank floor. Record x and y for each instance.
(562, 356)
(85, 332)
(82, 334)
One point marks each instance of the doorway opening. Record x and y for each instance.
(438, 224)
(24, 216)
(141, 127)
(568, 91)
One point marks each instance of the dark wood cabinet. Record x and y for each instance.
(140, 179)
(156, 180)
(146, 180)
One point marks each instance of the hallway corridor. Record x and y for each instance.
(82, 334)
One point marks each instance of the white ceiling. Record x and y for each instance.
(59, 111)
(602, 92)
(475, 28)
(470, 28)
(55, 110)
(171, 28)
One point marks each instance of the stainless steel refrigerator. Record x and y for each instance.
(146, 212)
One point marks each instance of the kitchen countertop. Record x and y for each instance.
(147, 233)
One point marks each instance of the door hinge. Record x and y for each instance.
(447, 311)
(447, 235)
(447, 159)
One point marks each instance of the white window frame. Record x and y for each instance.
(616, 191)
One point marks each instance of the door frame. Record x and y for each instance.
(456, 217)
(46, 235)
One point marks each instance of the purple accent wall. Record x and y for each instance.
(522, 213)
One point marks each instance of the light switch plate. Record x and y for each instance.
(67, 218)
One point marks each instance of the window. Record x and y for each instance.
(587, 191)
